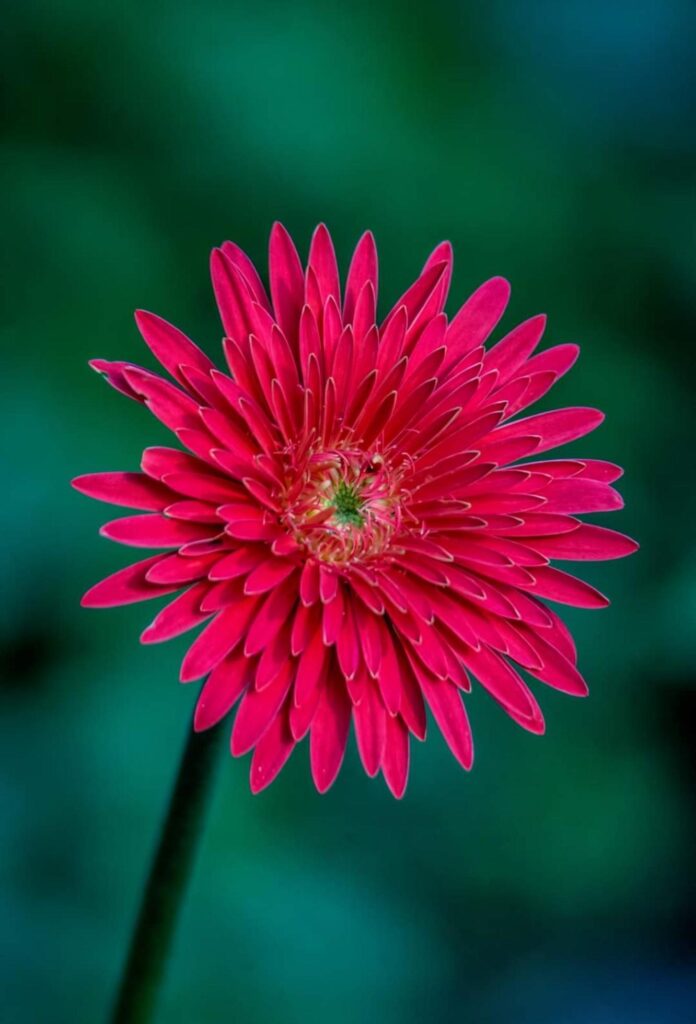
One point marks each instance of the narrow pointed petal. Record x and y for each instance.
(445, 702)
(363, 269)
(181, 615)
(271, 752)
(286, 280)
(127, 586)
(170, 346)
(369, 721)
(477, 318)
(223, 688)
(329, 735)
(258, 709)
(130, 490)
(587, 542)
(217, 640)
(395, 759)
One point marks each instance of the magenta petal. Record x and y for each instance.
(182, 614)
(258, 709)
(564, 588)
(369, 720)
(446, 705)
(329, 735)
(223, 688)
(130, 490)
(217, 639)
(586, 542)
(287, 281)
(395, 759)
(170, 346)
(127, 586)
(362, 270)
(271, 752)
(477, 318)
(154, 531)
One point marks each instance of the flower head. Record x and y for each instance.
(357, 513)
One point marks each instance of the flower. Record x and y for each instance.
(351, 519)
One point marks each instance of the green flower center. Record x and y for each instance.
(347, 504)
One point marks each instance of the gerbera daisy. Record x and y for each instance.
(351, 519)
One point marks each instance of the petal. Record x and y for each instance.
(268, 575)
(448, 711)
(286, 281)
(477, 318)
(395, 759)
(369, 720)
(217, 639)
(130, 490)
(127, 586)
(559, 586)
(170, 346)
(363, 269)
(180, 615)
(329, 735)
(154, 531)
(322, 260)
(586, 543)
(553, 428)
(223, 688)
(271, 752)
(258, 709)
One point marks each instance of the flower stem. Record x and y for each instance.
(167, 881)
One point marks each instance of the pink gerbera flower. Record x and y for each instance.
(351, 519)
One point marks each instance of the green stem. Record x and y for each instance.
(166, 884)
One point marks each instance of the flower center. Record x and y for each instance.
(344, 505)
(347, 505)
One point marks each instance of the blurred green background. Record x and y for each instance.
(553, 143)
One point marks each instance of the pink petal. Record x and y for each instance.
(448, 711)
(177, 569)
(153, 531)
(322, 260)
(579, 495)
(559, 586)
(258, 709)
(477, 318)
(114, 374)
(237, 563)
(170, 346)
(223, 688)
(509, 354)
(126, 586)
(159, 461)
(286, 280)
(329, 735)
(369, 720)
(311, 670)
(271, 752)
(268, 575)
(130, 490)
(363, 269)
(395, 759)
(251, 277)
(233, 297)
(272, 614)
(587, 542)
(554, 428)
(165, 401)
(217, 639)
(180, 615)
(503, 683)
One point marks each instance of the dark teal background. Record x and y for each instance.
(553, 143)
